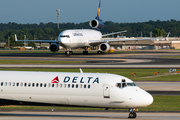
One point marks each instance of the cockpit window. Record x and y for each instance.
(131, 84)
(118, 85)
(65, 36)
(124, 84)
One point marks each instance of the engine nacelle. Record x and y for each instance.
(54, 47)
(105, 47)
(96, 24)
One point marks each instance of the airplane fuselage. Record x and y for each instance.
(71, 89)
(78, 38)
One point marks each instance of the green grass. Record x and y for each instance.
(6, 61)
(162, 78)
(170, 56)
(161, 103)
(164, 103)
(124, 72)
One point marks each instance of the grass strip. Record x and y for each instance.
(170, 56)
(124, 72)
(7, 61)
(161, 103)
(164, 103)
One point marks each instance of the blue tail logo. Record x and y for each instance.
(99, 9)
(97, 24)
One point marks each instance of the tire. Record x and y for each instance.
(132, 115)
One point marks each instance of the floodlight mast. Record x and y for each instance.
(58, 15)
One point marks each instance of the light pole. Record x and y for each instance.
(58, 15)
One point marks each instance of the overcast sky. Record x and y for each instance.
(77, 11)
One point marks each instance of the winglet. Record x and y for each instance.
(167, 36)
(80, 70)
(16, 38)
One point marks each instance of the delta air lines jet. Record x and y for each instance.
(82, 38)
(72, 89)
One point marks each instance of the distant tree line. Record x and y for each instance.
(50, 31)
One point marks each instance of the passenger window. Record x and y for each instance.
(33, 84)
(52, 85)
(5, 83)
(13, 83)
(69, 85)
(25, 84)
(37, 84)
(44, 84)
(84, 86)
(72, 85)
(64, 85)
(41, 85)
(76, 85)
(17, 84)
(89, 86)
(60, 85)
(9, 83)
(56, 85)
(49, 85)
(21, 84)
(1, 83)
(29, 85)
(81, 86)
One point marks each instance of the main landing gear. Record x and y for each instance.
(99, 52)
(68, 53)
(132, 113)
(85, 52)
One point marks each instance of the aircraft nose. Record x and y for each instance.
(147, 99)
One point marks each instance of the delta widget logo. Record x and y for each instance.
(55, 80)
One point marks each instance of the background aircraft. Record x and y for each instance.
(82, 38)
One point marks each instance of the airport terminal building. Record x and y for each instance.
(170, 43)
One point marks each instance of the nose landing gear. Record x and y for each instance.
(132, 113)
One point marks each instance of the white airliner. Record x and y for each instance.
(72, 89)
(82, 38)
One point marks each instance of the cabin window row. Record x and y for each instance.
(45, 85)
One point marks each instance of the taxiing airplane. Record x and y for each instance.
(72, 89)
(82, 38)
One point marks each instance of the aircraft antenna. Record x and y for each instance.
(58, 15)
(80, 70)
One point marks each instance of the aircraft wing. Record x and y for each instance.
(37, 41)
(97, 42)
(114, 33)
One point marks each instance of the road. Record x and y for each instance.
(37, 115)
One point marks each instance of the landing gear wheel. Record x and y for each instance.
(71, 52)
(99, 52)
(67, 53)
(85, 52)
(132, 115)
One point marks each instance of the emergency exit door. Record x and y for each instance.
(106, 91)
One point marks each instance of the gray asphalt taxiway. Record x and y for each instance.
(21, 115)
(139, 59)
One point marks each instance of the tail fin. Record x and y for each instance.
(98, 12)
(167, 36)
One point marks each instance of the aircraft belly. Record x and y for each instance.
(74, 45)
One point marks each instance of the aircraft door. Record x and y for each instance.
(106, 91)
